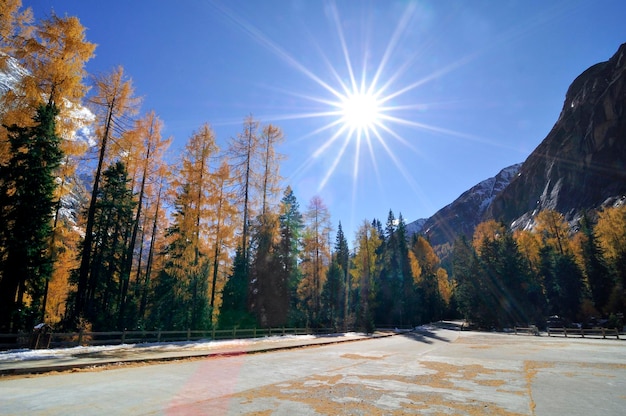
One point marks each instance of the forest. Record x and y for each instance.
(217, 239)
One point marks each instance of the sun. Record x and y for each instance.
(360, 111)
(362, 102)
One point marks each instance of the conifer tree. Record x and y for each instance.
(599, 276)
(287, 252)
(428, 296)
(611, 233)
(26, 196)
(470, 292)
(244, 152)
(315, 259)
(112, 225)
(333, 294)
(342, 258)
(268, 293)
(234, 311)
(171, 302)
(150, 149)
(53, 54)
(271, 137)
(112, 102)
(195, 187)
(365, 273)
(223, 231)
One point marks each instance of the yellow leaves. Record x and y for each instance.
(425, 255)
(114, 97)
(529, 245)
(554, 230)
(488, 230)
(367, 244)
(56, 56)
(611, 231)
(416, 269)
(14, 25)
(445, 286)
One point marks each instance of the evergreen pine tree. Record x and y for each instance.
(342, 256)
(234, 311)
(287, 252)
(27, 190)
(601, 281)
(332, 294)
(113, 217)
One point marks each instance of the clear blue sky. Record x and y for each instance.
(470, 87)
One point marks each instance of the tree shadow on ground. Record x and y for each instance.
(424, 335)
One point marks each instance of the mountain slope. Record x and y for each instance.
(467, 211)
(581, 164)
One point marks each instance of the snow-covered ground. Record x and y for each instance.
(201, 345)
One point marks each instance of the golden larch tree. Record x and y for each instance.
(315, 256)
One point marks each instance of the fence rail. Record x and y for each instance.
(35, 340)
(530, 330)
(582, 332)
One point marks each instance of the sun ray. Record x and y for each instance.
(430, 77)
(372, 154)
(259, 37)
(403, 170)
(344, 47)
(331, 170)
(399, 138)
(330, 141)
(400, 28)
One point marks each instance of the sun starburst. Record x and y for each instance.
(363, 113)
(360, 110)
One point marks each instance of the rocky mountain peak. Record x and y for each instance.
(581, 164)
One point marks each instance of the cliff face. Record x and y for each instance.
(581, 164)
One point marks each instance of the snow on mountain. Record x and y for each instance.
(416, 226)
(10, 74)
(466, 212)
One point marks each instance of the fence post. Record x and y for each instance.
(188, 334)
(234, 332)
(123, 336)
(213, 333)
(80, 337)
(159, 336)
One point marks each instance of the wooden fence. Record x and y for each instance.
(582, 332)
(43, 339)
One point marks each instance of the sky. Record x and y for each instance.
(451, 91)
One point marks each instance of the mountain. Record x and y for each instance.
(579, 166)
(466, 212)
